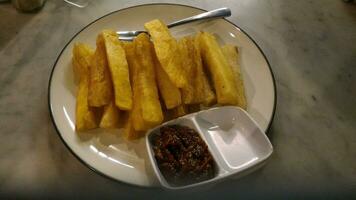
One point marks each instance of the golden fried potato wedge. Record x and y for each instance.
(208, 90)
(178, 111)
(129, 48)
(129, 132)
(166, 48)
(82, 55)
(166, 114)
(136, 112)
(198, 81)
(119, 69)
(76, 70)
(150, 104)
(231, 54)
(170, 94)
(188, 91)
(110, 117)
(192, 93)
(100, 84)
(219, 69)
(84, 115)
(183, 110)
(209, 94)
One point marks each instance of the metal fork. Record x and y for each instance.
(217, 13)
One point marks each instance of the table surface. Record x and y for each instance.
(311, 46)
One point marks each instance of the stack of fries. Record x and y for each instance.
(137, 85)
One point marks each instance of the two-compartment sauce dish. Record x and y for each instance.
(206, 147)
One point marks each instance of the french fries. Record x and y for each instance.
(119, 69)
(136, 85)
(220, 70)
(85, 116)
(129, 132)
(100, 84)
(129, 48)
(170, 94)
(137, 121)
(188, 91)
(192, 93)
(150, 104)
(231, 54)
(178, 111)
(76, 68)
(82, 55)
(110, 117)
(210, 97)
(167, 51)
(182, 110)
(200, 92)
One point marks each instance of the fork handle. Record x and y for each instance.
(220, 12)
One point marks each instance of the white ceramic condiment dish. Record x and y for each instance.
(234, 139)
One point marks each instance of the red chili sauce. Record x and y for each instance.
(182, 156)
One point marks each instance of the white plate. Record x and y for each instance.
(106, 152)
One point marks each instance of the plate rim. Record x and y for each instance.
(110, 13)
